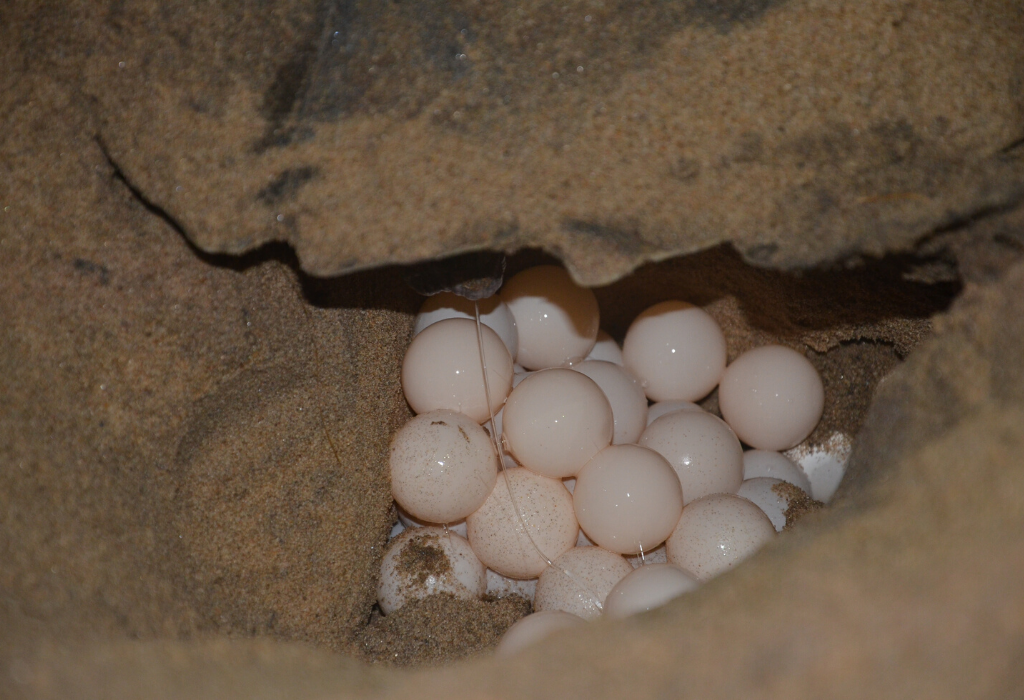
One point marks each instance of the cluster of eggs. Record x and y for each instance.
(610, 491)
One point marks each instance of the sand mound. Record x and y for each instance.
(193, 494)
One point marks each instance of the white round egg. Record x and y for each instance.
(702, 449)
(717, 532)
(533, 628)
(443, 466)
(757, 463)
(657, 410)
(396, 530)
(508, 461)
(773, 496)
(557, 319)
(494, 314)
(581, 540)
(425, 561)
(499, 586)
(624, 394)
(646, 588)
(407, 521)
(555, 421)
(496, 426)
(772, 396)
(824, 463)
(442, 369)
(676, 350)
(498, 536)
(627, 499)
(657, 555)
(579, 581)
(606, 349)
(517, 378)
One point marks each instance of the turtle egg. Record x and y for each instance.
(533, 628)
(624, 393)
(498, 536)
(757, 463)
(824, 463)
(676, 350)
(519, 375)
(654, 556)
(442, 369)
(555, 421)
(606, 349)
(425, 561)
(494, 314)
(627, 499)
(517, 378)
(657, 410)
(646, 588)
(581, 540)
(443, 466)
(408, 521)
(592, 573)
(499, 586)
(717, 532)
(701, 448)
(557, 319)
(772, 397)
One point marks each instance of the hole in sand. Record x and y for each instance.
(855, 324)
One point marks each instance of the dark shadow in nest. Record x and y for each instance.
(782, 303)
(785, 304)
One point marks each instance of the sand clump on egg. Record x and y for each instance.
(421, 561)
(800, 503)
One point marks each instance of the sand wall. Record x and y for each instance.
(193, 497)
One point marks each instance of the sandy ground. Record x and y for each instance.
(193, 494)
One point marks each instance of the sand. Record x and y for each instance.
(193, 498)
(612, 135)
(439, 630)
(800, 504)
